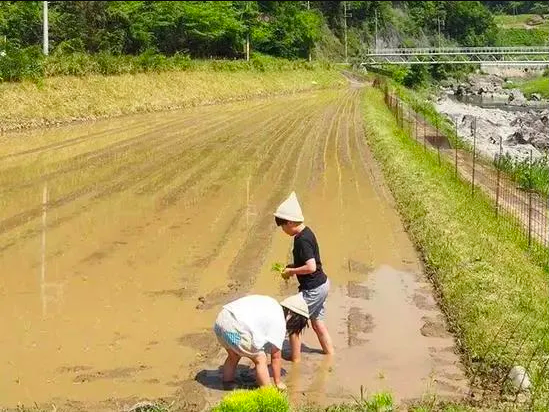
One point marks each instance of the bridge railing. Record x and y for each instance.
(446, 51)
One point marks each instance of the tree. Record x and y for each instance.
(21, 22)
(470, 23)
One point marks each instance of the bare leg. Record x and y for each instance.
(261, 370)
(295, 345)
(229, 367)
(323, 336)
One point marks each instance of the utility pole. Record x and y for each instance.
(376, 29)
(248, 46)
(345, 27)
(345, 15)
(45, 31)
(438, 20)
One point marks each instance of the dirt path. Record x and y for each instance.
(154, 221)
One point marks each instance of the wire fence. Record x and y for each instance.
(518, 376)
(517, 204)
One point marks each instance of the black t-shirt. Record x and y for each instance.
(305, 248)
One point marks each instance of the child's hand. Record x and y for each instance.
(280, 269)
(281, 386)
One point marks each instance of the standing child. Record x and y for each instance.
(307, 266)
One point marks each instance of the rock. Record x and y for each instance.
(201, 299)
(519, 378)
(535, 97)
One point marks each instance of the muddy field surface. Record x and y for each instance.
(120, 241)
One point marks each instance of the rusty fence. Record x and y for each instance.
(516, 203)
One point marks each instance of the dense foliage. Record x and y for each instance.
(128, 36)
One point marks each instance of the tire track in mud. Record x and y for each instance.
(317, 157)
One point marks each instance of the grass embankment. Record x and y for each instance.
(522, 30)
(494, 294)
(57, 100)
(529, 86)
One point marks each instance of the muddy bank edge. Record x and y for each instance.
(61, 100)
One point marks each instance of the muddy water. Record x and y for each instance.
(109, 287)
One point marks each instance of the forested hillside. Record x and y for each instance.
(224, 29)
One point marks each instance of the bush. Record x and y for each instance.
(417, 76)
(18, 64)
(267, 399)
(522, 37)
(73, 64)
(31, 64)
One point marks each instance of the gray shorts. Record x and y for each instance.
(316, 299)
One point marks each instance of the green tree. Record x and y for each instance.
(21, 22)
(470, 23)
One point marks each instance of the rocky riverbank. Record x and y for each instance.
(521, 124)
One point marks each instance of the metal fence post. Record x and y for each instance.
(456, 151)
(530, 201)
(498, 166)
(424, 133)
(474, 156)
(415, 121)
(438, 140)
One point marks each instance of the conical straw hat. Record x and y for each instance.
(290, 209)
(296, 304)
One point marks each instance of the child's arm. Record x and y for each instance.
(307, 269)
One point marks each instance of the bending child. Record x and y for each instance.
(249, 326)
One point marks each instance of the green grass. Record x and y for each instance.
(268, 399)
(522, 30)
(30, 64)
(520, 21)
(527, 87)
(419, 102)
(534, 176)
(522, 37)
(494, 293)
